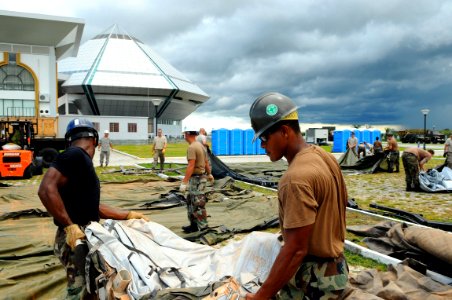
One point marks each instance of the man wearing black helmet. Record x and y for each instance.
(312, 201)
(70, 191)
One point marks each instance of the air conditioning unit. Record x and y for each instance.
(44, 98)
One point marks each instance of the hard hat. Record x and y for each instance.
(106, 131)
(270, 108)
(191, 130)
(80, 128)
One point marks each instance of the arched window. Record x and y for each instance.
(16, 78)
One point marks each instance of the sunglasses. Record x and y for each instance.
(264, 136)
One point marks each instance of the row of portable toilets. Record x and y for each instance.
(240, 142)
(363, 135)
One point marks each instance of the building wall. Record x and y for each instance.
(41, 63)
(104, 122)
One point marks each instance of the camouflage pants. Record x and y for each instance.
(158, 154)
(411, 165)
(196, 201)
(75, 273)
(317, 280)
(104, 155)
(393, 160)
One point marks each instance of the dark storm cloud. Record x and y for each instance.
(345, 62)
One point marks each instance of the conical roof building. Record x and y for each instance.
(115, 74)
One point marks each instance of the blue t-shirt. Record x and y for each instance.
(81, 194)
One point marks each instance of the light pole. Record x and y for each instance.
(156, 103)
(425, 112)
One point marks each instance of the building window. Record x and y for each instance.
(114, 127)
(16, 78)
(131, 127)
(96, 126)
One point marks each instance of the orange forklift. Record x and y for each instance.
(17, 159)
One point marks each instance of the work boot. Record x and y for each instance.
(101, 165)
(190, 228)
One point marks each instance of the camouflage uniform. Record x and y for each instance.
(196, 201)
(76, 284)
(317, 278)
(393, 159)
(411, 165)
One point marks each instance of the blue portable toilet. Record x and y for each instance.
(373, 134)
(358, 135)
(340, 138)
(366, 136)
(220, 141)
(236, 142)
(248, 146)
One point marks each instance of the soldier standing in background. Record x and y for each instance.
(159, 148)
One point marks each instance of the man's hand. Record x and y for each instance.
(73, 233)
(136, 215)
(183, 187)
(210, 178)
(163, 150)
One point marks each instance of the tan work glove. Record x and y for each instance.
(163, 150)
(136, 215)
(210, 178)
(73, 233)
(183, 187)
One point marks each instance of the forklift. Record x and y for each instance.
(17, 159)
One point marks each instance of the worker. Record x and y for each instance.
(363, 148)
(159, 148)
(448, 151)
(378, 146)
(392, 152)
(70, 191)
(312, 199)
(413, 160)
(104, 147)
(202, 137)
(197, 174)
(352, 142)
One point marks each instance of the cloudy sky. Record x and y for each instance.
(343, 62)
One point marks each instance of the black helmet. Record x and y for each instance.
(270, 108)
(80, 128)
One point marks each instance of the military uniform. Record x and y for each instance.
(411, 166)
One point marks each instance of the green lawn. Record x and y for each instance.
(145, 151)
(173, 150)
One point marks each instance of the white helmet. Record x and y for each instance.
(106, 131)
(191, 130)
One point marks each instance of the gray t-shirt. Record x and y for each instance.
(104, 144)
(201, 138)
(449, 142)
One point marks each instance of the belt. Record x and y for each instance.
(317, 259)
(409, 153)
(198, 175)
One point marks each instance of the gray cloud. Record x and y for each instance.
(346, 62)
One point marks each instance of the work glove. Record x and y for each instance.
(210, 178)
(73, 233)
(183, 187)
(163, 151)
(136, 215)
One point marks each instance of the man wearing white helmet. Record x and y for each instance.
(104, 147)
(312, 201)
(196, 175)
(159, 148)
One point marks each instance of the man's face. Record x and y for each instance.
(159, 132)
(273, 143)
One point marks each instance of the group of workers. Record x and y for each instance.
(413, 158)
(312, 198)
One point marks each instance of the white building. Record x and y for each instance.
(116, 75)
(29, 49)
